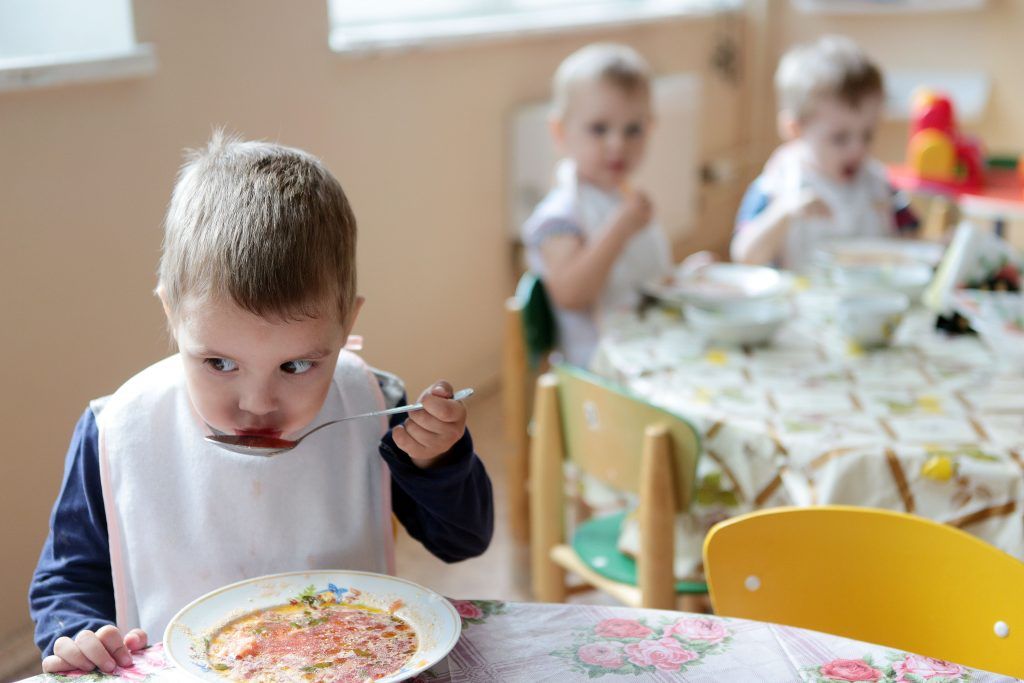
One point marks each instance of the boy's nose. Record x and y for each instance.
(258, 401)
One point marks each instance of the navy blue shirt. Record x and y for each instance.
(448, 508)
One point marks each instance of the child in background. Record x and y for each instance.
(592, 240)
(258, 282)
(821, 184)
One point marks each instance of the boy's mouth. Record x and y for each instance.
(850, 170)
(616, 166)
(273, 433)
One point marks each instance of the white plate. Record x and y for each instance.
(881, 252)
(436, 622)
(721, 283)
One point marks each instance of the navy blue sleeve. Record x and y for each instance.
(72, 588)
(449, 508)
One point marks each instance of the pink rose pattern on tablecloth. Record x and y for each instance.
(476, 611)
(604, 655)
(899, 668)
(698, 628)
(146, 663)
(665, 653)
(669, 644)
(927, 668)
(622, 628)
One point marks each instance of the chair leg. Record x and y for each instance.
(696, 604)
(514, 371)
(546, 494)
(657, 521)
(938, 219)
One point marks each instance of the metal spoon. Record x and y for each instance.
(269, 446)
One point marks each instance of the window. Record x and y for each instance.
(358, 25)
(45, 42)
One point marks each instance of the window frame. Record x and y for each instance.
(416, 34)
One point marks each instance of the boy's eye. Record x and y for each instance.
(297, 367)
(221, 364)
(634, 130)
(869, 135)
(598, 129)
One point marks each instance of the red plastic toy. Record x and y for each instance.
(937, 152)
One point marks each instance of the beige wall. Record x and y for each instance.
(988, 40)
(417, 140)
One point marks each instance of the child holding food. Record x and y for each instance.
(822, 184)
(592, 240)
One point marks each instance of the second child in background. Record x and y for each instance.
(592, 240)
(822, 184)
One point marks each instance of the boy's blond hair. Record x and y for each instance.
(612, 63)
(263, 225)
(832, 67)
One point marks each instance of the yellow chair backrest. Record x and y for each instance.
(604, 428)
(874, 575)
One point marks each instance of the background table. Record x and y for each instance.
(538, 642)
(932, 426)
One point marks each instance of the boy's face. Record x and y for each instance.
(839, 136)
(604, 130)
(250, 375)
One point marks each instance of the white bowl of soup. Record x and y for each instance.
(871, 318)
(313, 627)
(753, 323)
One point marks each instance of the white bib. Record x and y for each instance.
(861, 207)
(185, 516)
(647, 256)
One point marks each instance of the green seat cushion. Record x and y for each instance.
(596, 543)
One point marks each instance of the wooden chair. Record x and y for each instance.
(529, 337)
(630, 445)
(886, 577)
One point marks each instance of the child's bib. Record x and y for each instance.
(861, 207)
(185, 516)
(645, 257)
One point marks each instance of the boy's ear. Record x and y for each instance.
(557, 129)
(357, 306)
(162, 294)
(789, 125)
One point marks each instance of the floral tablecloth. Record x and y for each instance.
(933, 425)
(541, 642)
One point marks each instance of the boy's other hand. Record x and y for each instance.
(428, 434)
(635, 212)
(105, 649)
(809, 205)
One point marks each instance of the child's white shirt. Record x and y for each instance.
(860, 207)
(578, 208)
(185, 516)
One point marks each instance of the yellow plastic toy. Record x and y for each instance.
(874, 575)
(933, 156)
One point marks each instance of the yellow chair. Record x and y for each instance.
(529, 337)
(629, 445)
(874, 575)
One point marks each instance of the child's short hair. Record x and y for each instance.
(263, 225)
(619, 65)
(832, 67)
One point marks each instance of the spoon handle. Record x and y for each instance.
(460, 395)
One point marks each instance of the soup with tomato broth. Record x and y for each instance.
(315, 638)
